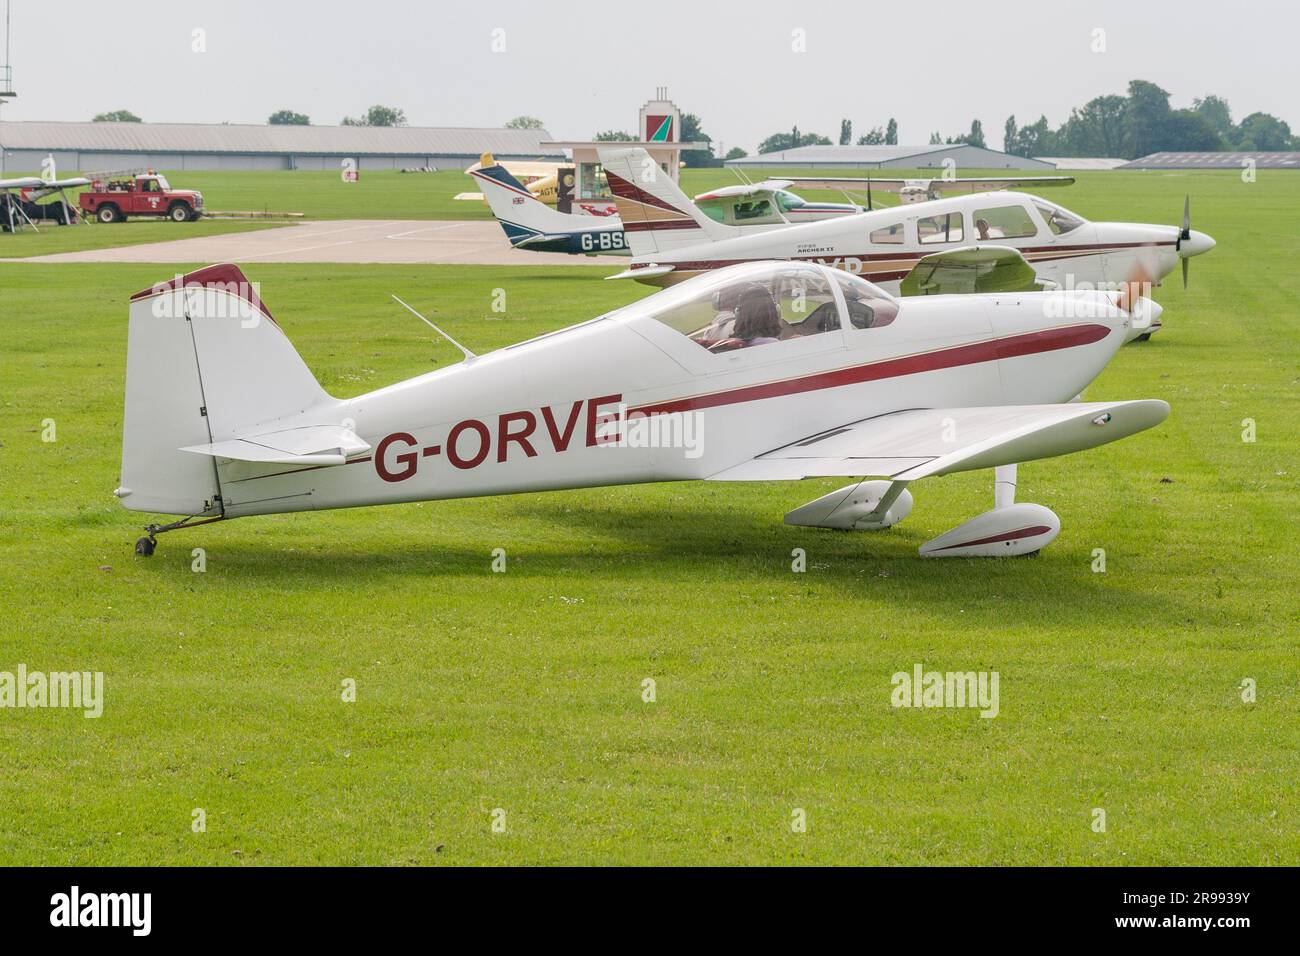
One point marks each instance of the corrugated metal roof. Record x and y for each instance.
(842, 154)
(900, 156)
(1081, 162)
(1217, 160)
(232, 138)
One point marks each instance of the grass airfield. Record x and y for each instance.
(522, 691)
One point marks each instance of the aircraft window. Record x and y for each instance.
(888, 235)
(1004, 222)
(1058, 220)
(760, 306)
(752, 210)
(869, 307)
(945, 227)
(592, 183)
(788, 200)
(713, 211)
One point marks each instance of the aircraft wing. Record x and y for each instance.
(971, 269)
(23, 182)
(766, 187)
(921, 442)
(893, 184)
(308, 445)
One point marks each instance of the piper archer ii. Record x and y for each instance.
(771, 371)
(530, 223)
(983, 242)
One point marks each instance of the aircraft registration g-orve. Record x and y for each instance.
(983, 242)
(771, 371)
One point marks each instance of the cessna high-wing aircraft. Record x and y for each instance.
(983, 242)
(771, 371)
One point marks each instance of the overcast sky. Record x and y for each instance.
(588, 66)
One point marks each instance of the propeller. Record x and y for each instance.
(1185, 233)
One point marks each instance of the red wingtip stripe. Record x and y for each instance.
(225, 276)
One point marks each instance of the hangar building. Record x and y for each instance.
(1215, 161)
(891, 157)
(98, 146)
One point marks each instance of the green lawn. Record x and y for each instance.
(522, 690)
(52, 239)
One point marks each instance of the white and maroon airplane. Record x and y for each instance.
(772, 371)
(983, 242)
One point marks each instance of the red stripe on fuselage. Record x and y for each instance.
(1028, 343)
(1031, 253)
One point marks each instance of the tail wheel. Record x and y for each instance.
(179, 212)
(109, 213)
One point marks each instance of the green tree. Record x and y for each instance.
(846, 132)
(117, 116)
(1189, 131)
(1216, 112)
(1146, 118)
(1260, 131)
(288, 118)
(693, 132)
(736, 153)
(1096, 129)
(378, 116)
(613, 136)
(1037, 139)
(525, 122)
(791, 140)
(874, 137)
(891, 132)
(936, 139)
(1009, 134)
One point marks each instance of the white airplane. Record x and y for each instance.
(772, 371)
(983, 242)
(771, 202)
(529, 223)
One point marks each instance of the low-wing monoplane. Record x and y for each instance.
(981, 242)
(772, 371)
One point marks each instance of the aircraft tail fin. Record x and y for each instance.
(206, 363)
(657, 216)
(522, 215)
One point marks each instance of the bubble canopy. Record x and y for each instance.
(763, 303)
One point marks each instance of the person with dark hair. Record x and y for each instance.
(758, 321)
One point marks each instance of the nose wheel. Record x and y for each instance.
(144, 547)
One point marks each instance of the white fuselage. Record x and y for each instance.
(1088, 256)
(529, 417)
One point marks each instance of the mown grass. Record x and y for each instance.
(523, 690)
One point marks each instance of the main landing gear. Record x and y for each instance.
(1009, 530)
(144, 547)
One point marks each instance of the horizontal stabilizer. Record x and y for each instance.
(308, 445)
(921, 442)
